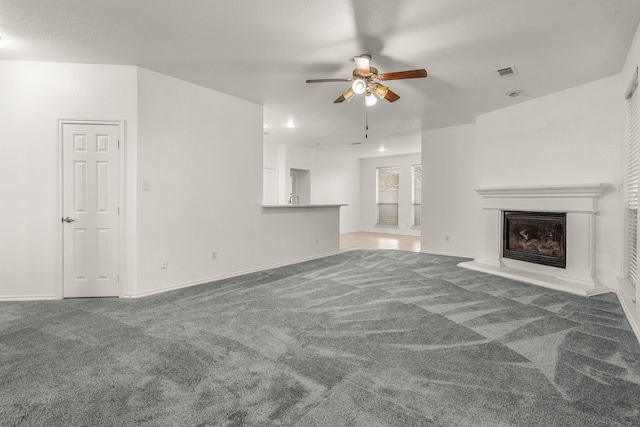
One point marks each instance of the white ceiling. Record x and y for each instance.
(264, 50)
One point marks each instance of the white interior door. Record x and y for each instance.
(90, 174)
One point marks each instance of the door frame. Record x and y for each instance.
(121, 201)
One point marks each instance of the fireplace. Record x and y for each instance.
(572, 267)
(537, 237)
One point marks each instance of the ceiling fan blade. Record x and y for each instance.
(398, 75)
(391, 96)
(327, 80)
(341, 98)
(362, 65)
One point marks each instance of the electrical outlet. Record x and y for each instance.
(447, 239)
(164, 264)
(214, 256)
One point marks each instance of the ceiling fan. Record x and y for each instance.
(367, 80)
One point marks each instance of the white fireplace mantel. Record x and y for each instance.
(578, 201)
(572, 190)
(550, 198)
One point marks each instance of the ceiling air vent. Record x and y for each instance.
(507, 71)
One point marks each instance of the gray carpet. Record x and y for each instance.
(365, 338)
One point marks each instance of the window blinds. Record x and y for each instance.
(417, 193)
(632, 180)
(387, 199)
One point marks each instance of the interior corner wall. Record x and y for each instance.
(450, 207)
(202, 153)
(369, 187)
(569, 137)
(35, 96)
(335, 179)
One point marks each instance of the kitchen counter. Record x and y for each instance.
(300, 206)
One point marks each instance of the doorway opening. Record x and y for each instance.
(300, 187)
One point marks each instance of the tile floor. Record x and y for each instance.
(367, 240)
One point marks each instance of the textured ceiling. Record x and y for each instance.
(263, 51)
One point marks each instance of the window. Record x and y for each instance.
(416, 193)
(387, 197)
(633, 138)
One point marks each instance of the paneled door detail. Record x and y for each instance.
(90, 174)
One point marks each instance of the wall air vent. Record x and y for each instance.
(507, 71)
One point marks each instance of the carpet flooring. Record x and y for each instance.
(364, 338)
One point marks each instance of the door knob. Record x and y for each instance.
(68, 219)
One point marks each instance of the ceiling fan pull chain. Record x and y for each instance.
(366, 124)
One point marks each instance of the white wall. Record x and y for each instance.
(569, 137)
(34, 96)
(270, 156)
(203, 154)
(450, 206)
(368, 193)
(201, 151)
(334, 179)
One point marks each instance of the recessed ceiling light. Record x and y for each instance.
(381, 149)
(290, 124)
(514, 93)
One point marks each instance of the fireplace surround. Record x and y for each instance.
(579, 203)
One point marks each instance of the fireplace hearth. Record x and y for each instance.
(536, 237)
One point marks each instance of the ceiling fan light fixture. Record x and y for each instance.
(370, 100)
(362, 64)
(359, 86)
(381, 90)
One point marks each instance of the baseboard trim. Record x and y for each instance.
(28, 298)
(224, 276)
